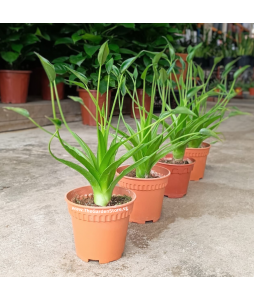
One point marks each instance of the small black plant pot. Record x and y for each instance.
(252, 61)
(211, 62)
(199, 61)
(227, 60)
(244, 61)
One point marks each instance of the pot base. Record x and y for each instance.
(200, 156)
(99, 232)
(178, 181)
(149, 195)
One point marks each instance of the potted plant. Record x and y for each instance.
(149, 180)
(251, 88)
(239, 87)
(181, 127)
(17, 43)
(100, 212)
(86, 43)
(229, 52)
(245, 48)
(210, 119)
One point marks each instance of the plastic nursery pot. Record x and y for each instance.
(87, 119)
(14, 86)
(251, 90)
(147, 103)
(252, 61)
(244, 60)
(99, 232)
(227, 60)
(149, 194)
(199, 61)
(239, 91)
(200, 156)
(45, 89)
(179, 178)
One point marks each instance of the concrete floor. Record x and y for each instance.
(209, 232)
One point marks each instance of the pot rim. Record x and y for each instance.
(100, 207)
(179, 165)
(146, 179)
(207, 145)
(182, 55)
(15, 71)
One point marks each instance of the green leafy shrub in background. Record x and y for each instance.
(17, 45)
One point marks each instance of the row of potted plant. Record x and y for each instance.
(242, 48)
(167, 150)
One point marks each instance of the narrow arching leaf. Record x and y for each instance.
(76, 99)
(79, 75)
(135, 73)
(109, 65)
(230, 64)
(217, 59)
(208, 132)
(143, 75)
(193, 91)
(163, 75)
(92, 180)
(240, 71)
(48, 67)
(156, 58)
(183, 110)
(123, 87)
(103, 53)
(18, 110)
(127, 63)
(201, 73)
(55, 121)
(115, 71)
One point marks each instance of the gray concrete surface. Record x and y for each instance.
(209, 232)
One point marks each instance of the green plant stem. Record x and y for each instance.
(52, 100)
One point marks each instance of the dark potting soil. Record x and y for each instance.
(151, 175)
(87, 200)
(172, 162)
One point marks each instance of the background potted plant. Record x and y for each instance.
(17, 43)
(210, 119)
(245, 48)
(180, 128)
(99, 222)
(251, 88)
(149, 189)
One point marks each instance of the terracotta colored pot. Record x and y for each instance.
(99, 232)
(149, 193)
(178, 64)
(87, 119)
(200, 156)
(210, 99)
(239, 91)
(45, 89)
(140, 99)
(179, 178)
(251, 90)
(14, 86)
